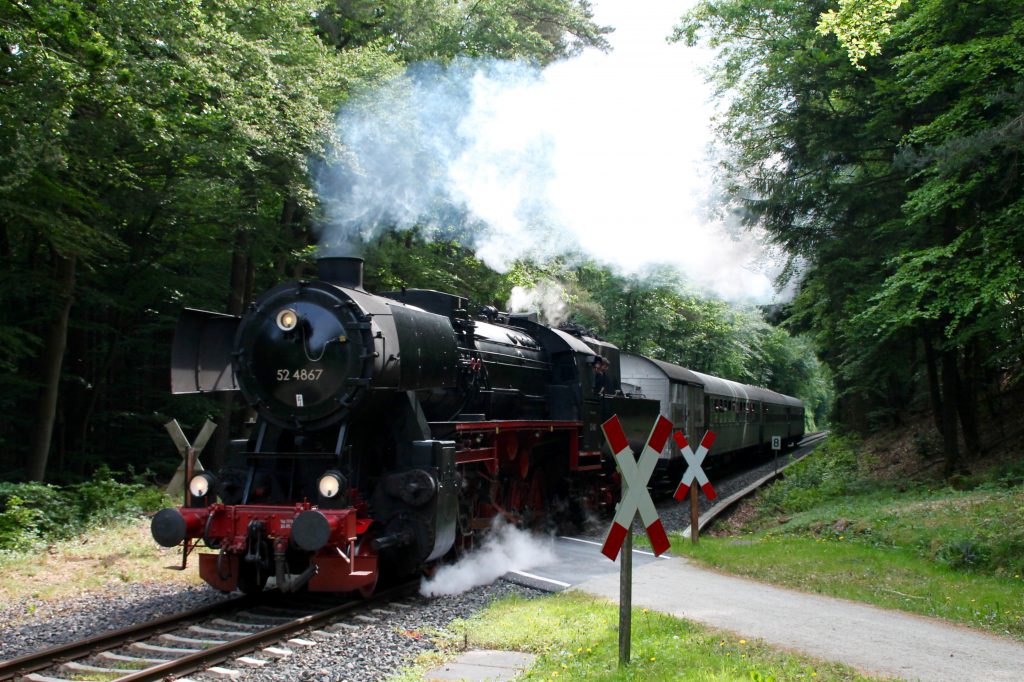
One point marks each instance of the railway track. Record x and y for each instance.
(190, 641)
(708, 516)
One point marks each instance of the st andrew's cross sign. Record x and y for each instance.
(635, 496)
(693, 466)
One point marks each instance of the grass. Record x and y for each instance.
(120, 552)
(924, 547)
(575, 637)
(888, 577)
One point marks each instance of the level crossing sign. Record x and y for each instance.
(694, 470)
(635, 496)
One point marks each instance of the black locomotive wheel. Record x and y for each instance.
(367, 591)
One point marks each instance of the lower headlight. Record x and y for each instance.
(201, 484)
(331, 484)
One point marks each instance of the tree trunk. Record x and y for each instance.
(239, 271)
(967, 402)
(931, 365)
(950, 379)
(289, 210)
(51, 361)
(240, 276)
(896, 401)
(5, 241)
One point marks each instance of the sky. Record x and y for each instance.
(604, 152)
(655, 183)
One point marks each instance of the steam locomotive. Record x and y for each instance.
(390, 430)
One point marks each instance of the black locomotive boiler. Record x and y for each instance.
(389, 431)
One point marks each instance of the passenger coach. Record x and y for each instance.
(744, 418)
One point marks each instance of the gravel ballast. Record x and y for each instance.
(28, 625)
(362, 650)
(365, 651)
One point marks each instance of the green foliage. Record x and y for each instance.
(894, 179)
(411, 259)
(829, 495)
(438, 30)
(860, 25)
(36, 513)
(831, 472)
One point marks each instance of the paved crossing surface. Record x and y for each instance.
(578, 560)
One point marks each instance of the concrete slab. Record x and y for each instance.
(482, 665)
(879, 641)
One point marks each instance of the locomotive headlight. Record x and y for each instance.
(330, 484)
(201, 484)
(287, 320)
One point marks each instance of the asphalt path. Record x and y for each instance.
(876, 641)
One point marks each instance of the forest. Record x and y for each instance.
(157, 155)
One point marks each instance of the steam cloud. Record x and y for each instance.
(547, 298)
(506, 549)
(605, 155)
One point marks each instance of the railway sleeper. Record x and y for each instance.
(138, 660)
(73, 667)
(229, 634)
(203, 643)
(266, 617)
(176, 652)
(236, 624)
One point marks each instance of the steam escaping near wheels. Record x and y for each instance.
(506, 548)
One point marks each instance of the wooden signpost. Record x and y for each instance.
(635, 498)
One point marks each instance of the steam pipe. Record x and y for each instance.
(392, 540)
(285, 582)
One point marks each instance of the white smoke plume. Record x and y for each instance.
(607, 155)
(549, 299)
(506, 548)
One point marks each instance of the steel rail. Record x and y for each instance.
(46, 658)
(107, 640)
(219, 654)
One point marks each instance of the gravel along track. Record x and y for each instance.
(366, 645)
(29, 625)
(372, 646)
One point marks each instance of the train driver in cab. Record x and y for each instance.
(600, 375)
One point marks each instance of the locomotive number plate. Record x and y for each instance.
(299, 374)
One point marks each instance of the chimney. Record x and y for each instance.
(344, 271)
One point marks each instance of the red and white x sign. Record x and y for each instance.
(693, 466)
(634, 486)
